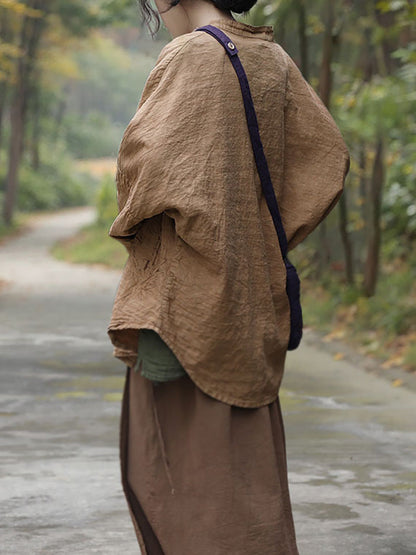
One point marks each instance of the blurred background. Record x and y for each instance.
(71, 75)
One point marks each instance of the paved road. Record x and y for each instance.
(350, 434)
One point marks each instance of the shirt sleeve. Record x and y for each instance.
(316, 159)
(155, 163)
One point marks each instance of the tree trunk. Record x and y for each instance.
(35, 138)
(346, 239)
(363, 201)
(3, 99)
(387, 21)
(303, 39)
(325, 74)
(362, 178)
(371, 269)
(281, 30)
(324, 252)
(59, 115)
(384, 66)
(325, 90)
(15, 152)
(6, 36)
(31, 32)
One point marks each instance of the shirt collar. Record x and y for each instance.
(244, 29)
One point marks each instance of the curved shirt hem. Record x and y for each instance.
(130, 360)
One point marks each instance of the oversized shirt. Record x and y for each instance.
(205, 269)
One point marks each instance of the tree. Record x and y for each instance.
(369, 74)
(32, 28)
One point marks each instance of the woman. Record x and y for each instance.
(201, 317)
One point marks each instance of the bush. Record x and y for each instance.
(91, 245)
(410, 357)
(92, 136)
(106, 201)
(53, 186)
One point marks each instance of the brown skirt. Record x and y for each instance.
(202, 477)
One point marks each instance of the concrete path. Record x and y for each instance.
(60, 397)
(350, 435)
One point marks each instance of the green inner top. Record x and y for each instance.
(159, 363)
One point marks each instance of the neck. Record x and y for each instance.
(189, 14)
(202, 12)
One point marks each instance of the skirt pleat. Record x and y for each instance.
(202, 477)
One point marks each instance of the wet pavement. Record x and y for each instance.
(351, 446)
(351, 437)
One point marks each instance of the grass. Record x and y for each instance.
(19, 224)
(91, 245)
(410, 354)
(382, 326)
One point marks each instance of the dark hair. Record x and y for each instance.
(151, 16)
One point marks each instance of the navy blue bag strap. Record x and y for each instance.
(292, 278)
(253, 128)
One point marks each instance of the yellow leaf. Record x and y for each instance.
(335, 334)
(393, 361)
(338, 356)
(19, 8)
(397, 383)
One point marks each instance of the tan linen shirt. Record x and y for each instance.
(204, 268)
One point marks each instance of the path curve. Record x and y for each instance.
(26, 263)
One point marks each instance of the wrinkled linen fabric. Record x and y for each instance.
(205, 269)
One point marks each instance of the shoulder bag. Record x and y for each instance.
(292, 279)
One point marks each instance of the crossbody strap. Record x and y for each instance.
(253, 128)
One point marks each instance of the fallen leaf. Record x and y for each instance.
(393, 361)
(339, 356)
(336, 334)
(397, 383)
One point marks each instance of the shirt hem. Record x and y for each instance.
(130, 360)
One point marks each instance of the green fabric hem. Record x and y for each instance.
(158, 361)
(160, 374)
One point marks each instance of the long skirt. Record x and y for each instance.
(202, 477)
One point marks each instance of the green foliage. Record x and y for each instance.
(92, 246)
(17, 225)
(318, 308)
(410, 357)
(374, 322)
(54, 185)
(106, 202)
(400, 211)
(392, 309)
(384, 106)
(114, 12)
(371, 108)
(112, 80)
(92, 136)
(51, 188)
(102, 98)
(77, 16)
